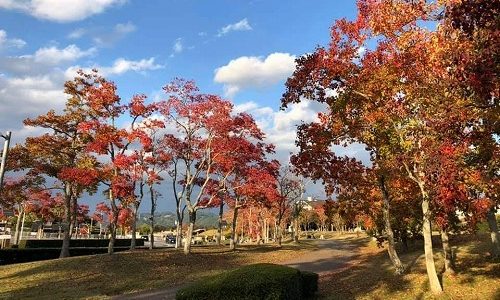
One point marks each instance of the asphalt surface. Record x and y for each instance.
(331, 256)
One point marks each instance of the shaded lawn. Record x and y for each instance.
(372, 277)
(368, 275)
(100, 276)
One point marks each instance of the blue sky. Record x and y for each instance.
(242, 50)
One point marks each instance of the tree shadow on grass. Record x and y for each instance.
(477, 276)
(93, 276)
(369, 274)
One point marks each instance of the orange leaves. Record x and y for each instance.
(390, 17)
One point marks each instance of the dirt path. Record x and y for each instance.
(331, 256)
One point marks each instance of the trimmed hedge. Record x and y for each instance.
(14, 255)
(77, 243)
(309, 283)
(258, 281)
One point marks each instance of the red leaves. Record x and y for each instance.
(123, 161)
(121, 186)
(84, 177)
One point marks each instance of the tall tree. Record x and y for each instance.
(290, 192)
(60, 154)
(203, 147)
(108, 140)
(390, 97)
(152, 159)
(470, 60)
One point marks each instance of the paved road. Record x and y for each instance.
(331, 256)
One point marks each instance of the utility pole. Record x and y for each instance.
(4, 156)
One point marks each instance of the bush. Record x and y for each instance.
(77, 243)
(259, 281)
(15, 255)
(309, 283)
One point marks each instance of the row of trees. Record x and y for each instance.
(417, 83)
(211, 156)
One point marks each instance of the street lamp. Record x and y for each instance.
(4, 155)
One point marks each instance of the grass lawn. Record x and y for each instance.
(101, 276)
(373, 278)
(368, 275)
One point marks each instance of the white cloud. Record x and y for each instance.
(122, 65)
(361, 50)
(125, 28)
(108, 37)
(60, 11)
(28, 96)
(32, 84)
(77, 33)
(54, 56)
(119, 67)
(104, 37)
(245, 107)
(254, 72)
(10, 42)
(281, 127)
(178, 47)
(43, 61)
(242, 25)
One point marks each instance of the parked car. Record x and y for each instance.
(145, 237)
(170, 239)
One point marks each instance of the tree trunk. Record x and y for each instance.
(266, 231)
(74, 215)
(189, 235)
(113, 223)
(429, 255)
(112, 238)
(180, 219)
(404, 240)
(152, 234)
(279, 231)
(152, 218)
(17, 232)
(492, 223)
(67, 219)
(219, 229)
(393, 255)
(260, 228)
(134, 227)
(296, 230)
(234, 236)
(178, 235)
(449, 265)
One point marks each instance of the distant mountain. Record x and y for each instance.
(204, 219)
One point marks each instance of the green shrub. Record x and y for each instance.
(19, 255)
(77, 243)
(259, 281)
(309, 283)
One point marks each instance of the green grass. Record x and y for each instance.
(368, 276)
(101, 276)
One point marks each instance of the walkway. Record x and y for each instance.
(332, 256)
